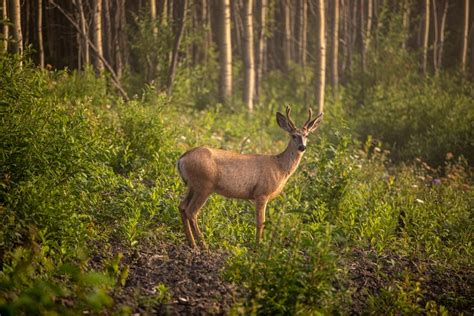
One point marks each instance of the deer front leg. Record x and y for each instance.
(261, 205)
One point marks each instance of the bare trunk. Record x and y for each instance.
(465, 36)
(40, 33)
(16, 46)
(321, 54)
(119, 41)
(441, 34)
(286, 34)
(235, 14)
(5, 26)
(153, 17)
(261, 45)
(225, 53)
(406, 22)
(362, 36)
(98, 35)
(83, 25)
(108, 51)
(303, 30)
(426, 32)
(368, 31)
(177, 42)
(164, 16)
(335, 47)
(249, 84)
(436, 36)
(346, 33)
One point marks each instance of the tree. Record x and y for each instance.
(15, 16)
(286, 34)
(335, 46)
(40, 33)
(5, 25)
(406, 22)
(225, 52)
(321, 55)
(262, 45)
(98, 35)
(249, 82)
(426, 33)
(302, 31)
(465, 36)
(177, 41)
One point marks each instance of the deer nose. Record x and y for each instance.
(301, 147)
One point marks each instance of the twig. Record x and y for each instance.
(115, 79)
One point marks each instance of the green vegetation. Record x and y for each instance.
(84, 174)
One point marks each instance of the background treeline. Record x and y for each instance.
(139, 42)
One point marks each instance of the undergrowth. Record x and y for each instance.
(83, 172)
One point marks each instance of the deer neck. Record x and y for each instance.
(290, 158)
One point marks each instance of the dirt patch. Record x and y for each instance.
(193, 278)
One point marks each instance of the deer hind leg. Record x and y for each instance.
(182, 210)
(192, 212)
(260, 205)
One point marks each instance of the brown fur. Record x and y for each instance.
(251, 177)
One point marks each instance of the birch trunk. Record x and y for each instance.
(249, 84)
(5, 26)
(261, 45)
(441, 34)
(16, 46)
(40, 33)
(335, 47)
(321, 54)
(465, 36)
(98, 35)
(177, 42)
(426, 32)
(225, 53)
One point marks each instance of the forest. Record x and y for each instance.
(100, 98)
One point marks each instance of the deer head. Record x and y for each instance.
(299, 136)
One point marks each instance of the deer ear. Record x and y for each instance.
(283, 122)
(314, 124)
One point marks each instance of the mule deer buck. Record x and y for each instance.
(251, 177)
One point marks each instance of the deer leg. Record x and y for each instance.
(261, 205)
(182, 210)
(192, 211)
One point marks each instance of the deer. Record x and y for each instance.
(242, 176)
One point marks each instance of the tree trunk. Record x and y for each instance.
(321, 54)
(119, 40)
(249, 84)
(235, 14)
(436, 36)
(85, 44)
(362, 36)
(5, 26)
(98, 35)
(40, 33)
(153, 17)
(368, 32)
(406, 22)
(225, 53)
(335, 47)
(16, 46)
(465, 36)
(108, 51)
(426, 32)
(177, 43)
(302, 32)
(441, 34)
(261, 45)
(286, 34)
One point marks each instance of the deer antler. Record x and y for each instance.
(290, 121)
(310, 115)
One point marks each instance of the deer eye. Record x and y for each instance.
(294, 136)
